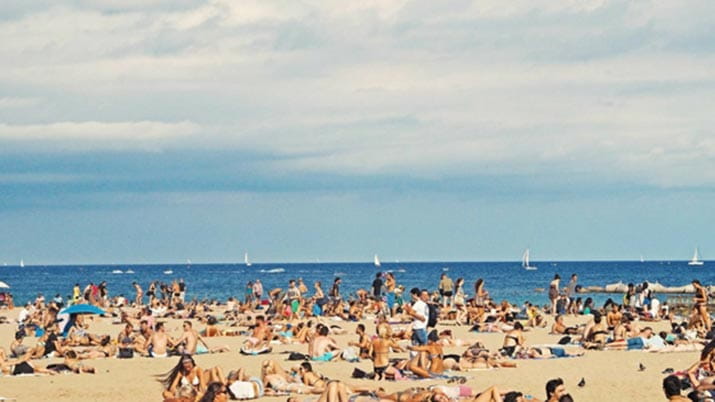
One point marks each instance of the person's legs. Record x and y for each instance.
(490, 394)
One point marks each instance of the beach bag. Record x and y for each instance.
(297, 356)
(433, 315)
(565, 340)
(126, 353)
(357, 373)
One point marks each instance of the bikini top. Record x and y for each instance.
(194, 382)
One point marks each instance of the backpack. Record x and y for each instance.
(433, 315)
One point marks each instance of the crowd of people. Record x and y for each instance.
(410, 334)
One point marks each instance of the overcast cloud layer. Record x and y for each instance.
(124, 105)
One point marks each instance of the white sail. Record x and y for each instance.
(525, 261)
(246, 260)
(377, 261)
(696, 258)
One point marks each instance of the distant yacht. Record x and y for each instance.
(377, 262)
(525, 261)
(246, 260)
(696, 259)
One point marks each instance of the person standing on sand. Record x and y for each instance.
(419, 311)
(257, 291)
(554, 292)
(377, 286)
(571, 293)
(140, 294)
(700, 305)
(446, 289)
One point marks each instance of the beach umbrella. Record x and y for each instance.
(4, 285)
(82, 309)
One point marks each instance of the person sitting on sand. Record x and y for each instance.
(185, 373)
(363, 342)
(513, 340)
(559, 328)
(159, 343)
(428, 361)
(596, 334)
(380, 351)
(322, 347)
(260, 336)
(193, 343)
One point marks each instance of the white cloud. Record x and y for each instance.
(91, 135)
(617, 88)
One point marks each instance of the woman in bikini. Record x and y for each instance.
(380, 352)
(429, 360)
(597, 335)
(479, 303)
(185, 373)
(513, 340)
(104, 350)
(701, 303)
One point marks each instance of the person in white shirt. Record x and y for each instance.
(419, 311)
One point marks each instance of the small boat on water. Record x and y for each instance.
(696, 259)
(525, 261)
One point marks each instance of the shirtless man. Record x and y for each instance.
(194, 344)
(322, 347)
(614, 316)
(159, 342)
(260, 336)
(140, 293)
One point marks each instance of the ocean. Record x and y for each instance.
(503, 280)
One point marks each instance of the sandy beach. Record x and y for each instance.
(612, 373)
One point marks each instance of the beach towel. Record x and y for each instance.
(245, 350)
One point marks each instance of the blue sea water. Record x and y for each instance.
(504, 280)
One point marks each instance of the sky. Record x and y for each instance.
(163, 130)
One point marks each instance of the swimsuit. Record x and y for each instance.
(325, 357)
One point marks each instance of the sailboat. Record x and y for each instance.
(696, 259)
(245, 259)
(525, 261)
(377, 262)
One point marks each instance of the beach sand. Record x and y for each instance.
(612, 375)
